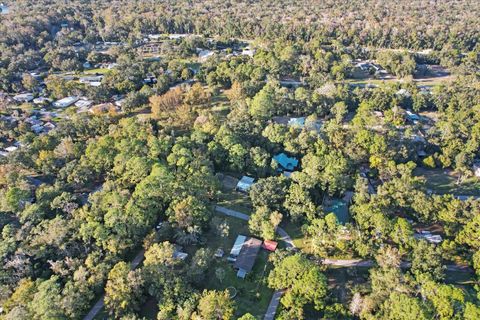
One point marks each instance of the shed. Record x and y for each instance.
(269, 245)
(286, 162)
(245, 183)
(248, 255)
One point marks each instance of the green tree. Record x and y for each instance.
(215, 305)
(303, 280)
(400, 306)
(123, 290)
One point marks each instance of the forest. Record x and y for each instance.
(335, 142)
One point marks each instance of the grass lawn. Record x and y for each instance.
(98, 70)
(253, 295)
(294, 230)
(236, 201)
(441, 182)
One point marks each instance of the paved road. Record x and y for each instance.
(232, 213)
(272, 307)
(371, 263)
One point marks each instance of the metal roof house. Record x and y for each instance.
(237, 247)
(246, 258)
(65, 102)
(245, 183)
(285, 162)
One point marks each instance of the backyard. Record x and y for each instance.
(444, 181)
(253, 295)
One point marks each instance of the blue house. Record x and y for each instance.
(285, 162)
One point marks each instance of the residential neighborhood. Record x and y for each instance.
(206, 160)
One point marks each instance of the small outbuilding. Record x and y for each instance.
(245, 183)
(269, 245)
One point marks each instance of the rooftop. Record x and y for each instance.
(286, 162)
(248, 254)
(245, 183)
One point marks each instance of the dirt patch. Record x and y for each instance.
(228, 182)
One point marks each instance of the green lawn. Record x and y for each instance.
(98, 70)
(294, 230)
(441, 182)
(236, 201)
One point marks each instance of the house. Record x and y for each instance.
(174, 36)
(37, 128)
(296, 122)
(428, 236)
(11, 149)
(412, 116)
(150, 79)
(285, 162)
(23, 97)
(83, 103)
(269, 245)
(41, 100)
(86, 65)
(237, 247)
(65, 102)
(247, 51)
(339, 208)
(91, 80)
(245, 183)
(246, 258)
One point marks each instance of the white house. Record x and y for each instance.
(41, 100)
(11, 149)
(65, 102)
(245, 183)
(24, 97)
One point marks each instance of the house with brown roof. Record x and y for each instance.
(246, 258)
